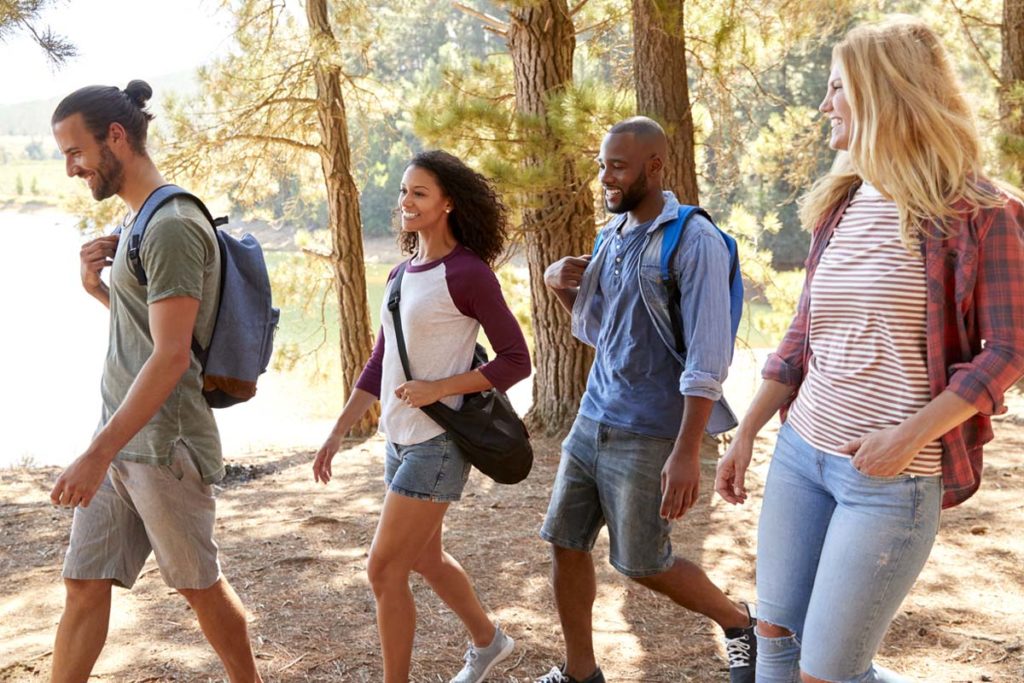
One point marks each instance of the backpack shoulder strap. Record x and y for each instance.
(154, 201)
(673, 233)
(672, 236)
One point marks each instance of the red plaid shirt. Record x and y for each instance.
(975, 318)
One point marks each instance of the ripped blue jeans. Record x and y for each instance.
(837, 551)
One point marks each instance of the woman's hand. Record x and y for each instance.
(322, 462)
(417, 393)
(732, 470)
(883, 453)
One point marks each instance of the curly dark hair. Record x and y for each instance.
(479, 219)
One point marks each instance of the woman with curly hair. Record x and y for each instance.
(909, 330)
(454, 225)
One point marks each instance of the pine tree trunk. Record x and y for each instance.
(559, 221)
(1011, 107)
(662, 91)
(343, 209)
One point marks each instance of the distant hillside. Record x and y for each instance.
(33, 118)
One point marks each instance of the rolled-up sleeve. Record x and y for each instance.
(786, 363)
(704, 308)
(999, 302)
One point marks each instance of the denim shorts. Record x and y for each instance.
(837, 551)
(434, 469)
(611, 476)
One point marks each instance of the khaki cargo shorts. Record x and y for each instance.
(166, 509)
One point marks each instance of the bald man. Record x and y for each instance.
(631, 459)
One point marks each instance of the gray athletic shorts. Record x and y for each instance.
(140, 508)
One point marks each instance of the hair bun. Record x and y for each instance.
(139, 93)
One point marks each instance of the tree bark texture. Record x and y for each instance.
(1011, 108)
(662, 90)
(559, 221)
(343, 208)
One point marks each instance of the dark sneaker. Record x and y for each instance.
(480, 660)
(741, 651)
(558, 675)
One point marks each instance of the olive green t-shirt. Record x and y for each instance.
(181, 258)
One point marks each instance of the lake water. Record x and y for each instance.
(53, 343)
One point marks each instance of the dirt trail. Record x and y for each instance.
(296, 554)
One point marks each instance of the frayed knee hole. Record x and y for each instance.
(767, 630)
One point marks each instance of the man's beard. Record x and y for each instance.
(631, 196)
(109, 175)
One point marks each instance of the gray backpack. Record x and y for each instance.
(243, 334)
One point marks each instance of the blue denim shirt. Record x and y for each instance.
(701, 265)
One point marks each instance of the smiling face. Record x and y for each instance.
(623, 172)
(422, 201)
(88, 159)
(837, 108)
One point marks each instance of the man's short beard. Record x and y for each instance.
(631, 196)
(109, 175)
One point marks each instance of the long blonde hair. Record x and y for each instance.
(913, 134)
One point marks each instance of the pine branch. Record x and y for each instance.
(273, 139)
(974, 44)
(575, 10)
(496, 25)
(316, 253)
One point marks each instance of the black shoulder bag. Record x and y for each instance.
(486, 429)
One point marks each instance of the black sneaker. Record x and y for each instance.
(558, 675)
(741, 651)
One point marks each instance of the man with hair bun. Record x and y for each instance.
(631, 461)
(144, 483)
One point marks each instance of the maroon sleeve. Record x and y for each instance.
(369, 378)
(475, 290)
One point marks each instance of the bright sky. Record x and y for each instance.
(168, 37)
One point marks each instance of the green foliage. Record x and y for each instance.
(23, 16)
(34, 151)
(515, 285)
(421, 73)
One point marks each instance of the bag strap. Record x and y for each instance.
(154, 201)
(394, 299)
(671, 236)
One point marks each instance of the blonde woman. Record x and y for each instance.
(909, 329)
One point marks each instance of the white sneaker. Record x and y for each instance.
(480, 660)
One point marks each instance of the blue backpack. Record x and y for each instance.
(243, 333)
(673, 233)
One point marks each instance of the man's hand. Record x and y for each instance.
(680, 484)
(79, 482)
(883, 453)
(566, 273)
(96, 255)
